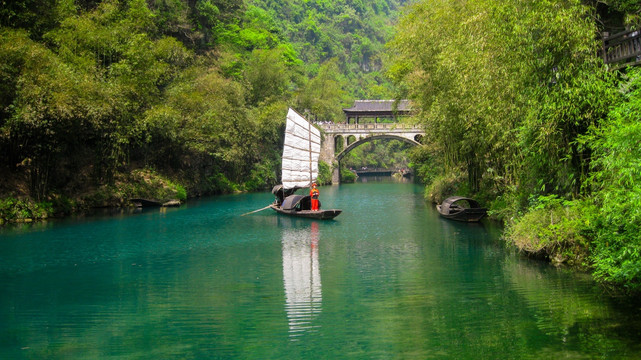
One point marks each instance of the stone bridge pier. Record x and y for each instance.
(349, 136)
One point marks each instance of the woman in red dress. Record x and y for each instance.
(314, 193)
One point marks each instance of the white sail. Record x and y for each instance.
(300, 153)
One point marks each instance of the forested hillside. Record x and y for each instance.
(354, 32)
(101, 101)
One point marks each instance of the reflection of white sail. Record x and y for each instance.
(301, 275)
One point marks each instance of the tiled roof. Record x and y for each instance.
(378, 106)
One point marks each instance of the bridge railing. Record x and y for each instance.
(374, 126)
(622, 49)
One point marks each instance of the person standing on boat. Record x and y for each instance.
(314, 193)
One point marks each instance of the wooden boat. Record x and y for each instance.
(301, 151)
(461, 209)
(140, 203)
(145, 202)
(300, 205)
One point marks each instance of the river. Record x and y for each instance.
(387, 279)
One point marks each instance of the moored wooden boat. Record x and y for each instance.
(138, 202)
(461, 209)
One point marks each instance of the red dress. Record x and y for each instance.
(314, 193)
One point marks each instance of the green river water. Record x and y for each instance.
(387, 279)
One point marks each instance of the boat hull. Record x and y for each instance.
(310, 214)
(465, 215)
(145, 203)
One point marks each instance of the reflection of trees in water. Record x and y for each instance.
(563, 304)
(301, 276)
(395, 177)
(564, 299)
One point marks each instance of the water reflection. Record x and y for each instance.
(202, 282)
(396, 178)
(301, 274)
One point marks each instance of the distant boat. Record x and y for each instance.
(145, 202)
(461, 209)
(140, 203)
(299, 170)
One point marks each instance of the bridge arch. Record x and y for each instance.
(337, 144)
(367, 139)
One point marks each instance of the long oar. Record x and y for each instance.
(251, 212)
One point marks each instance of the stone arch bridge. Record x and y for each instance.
(361, 133)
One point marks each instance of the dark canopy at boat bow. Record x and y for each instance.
(290, 202)
(447, 203)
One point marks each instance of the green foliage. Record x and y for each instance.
(63, 205)
(383, 154)
(486, 73)
(141, 183)
(109, 91)
(508, 206)
(483, 73)
(324, 173)
(631, 8)
(197, 90)
(555, 164)
(444, 186)
(35, 16)
(262, 177)
(39, 96)
(616, 185)
(268, 75)
(219, 184)
(347, 175)
(552, 228)
(24, 210)
(513, 96)
(424, 163)
(324, 95)
(353, 32)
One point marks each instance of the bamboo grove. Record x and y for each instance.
(520, 110)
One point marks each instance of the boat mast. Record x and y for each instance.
(309, 137)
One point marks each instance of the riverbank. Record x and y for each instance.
(595, 234)
(19, 207)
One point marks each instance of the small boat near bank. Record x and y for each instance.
(146, 203)
(301, 151)
(461, 209)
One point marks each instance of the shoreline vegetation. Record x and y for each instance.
(141, 183)
(105, 101)
(522, 114)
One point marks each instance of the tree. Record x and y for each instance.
(35, 16)
(501, 87)
(268, 75)
(615, 217)
(324, 95)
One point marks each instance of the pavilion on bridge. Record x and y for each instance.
(374, 111)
